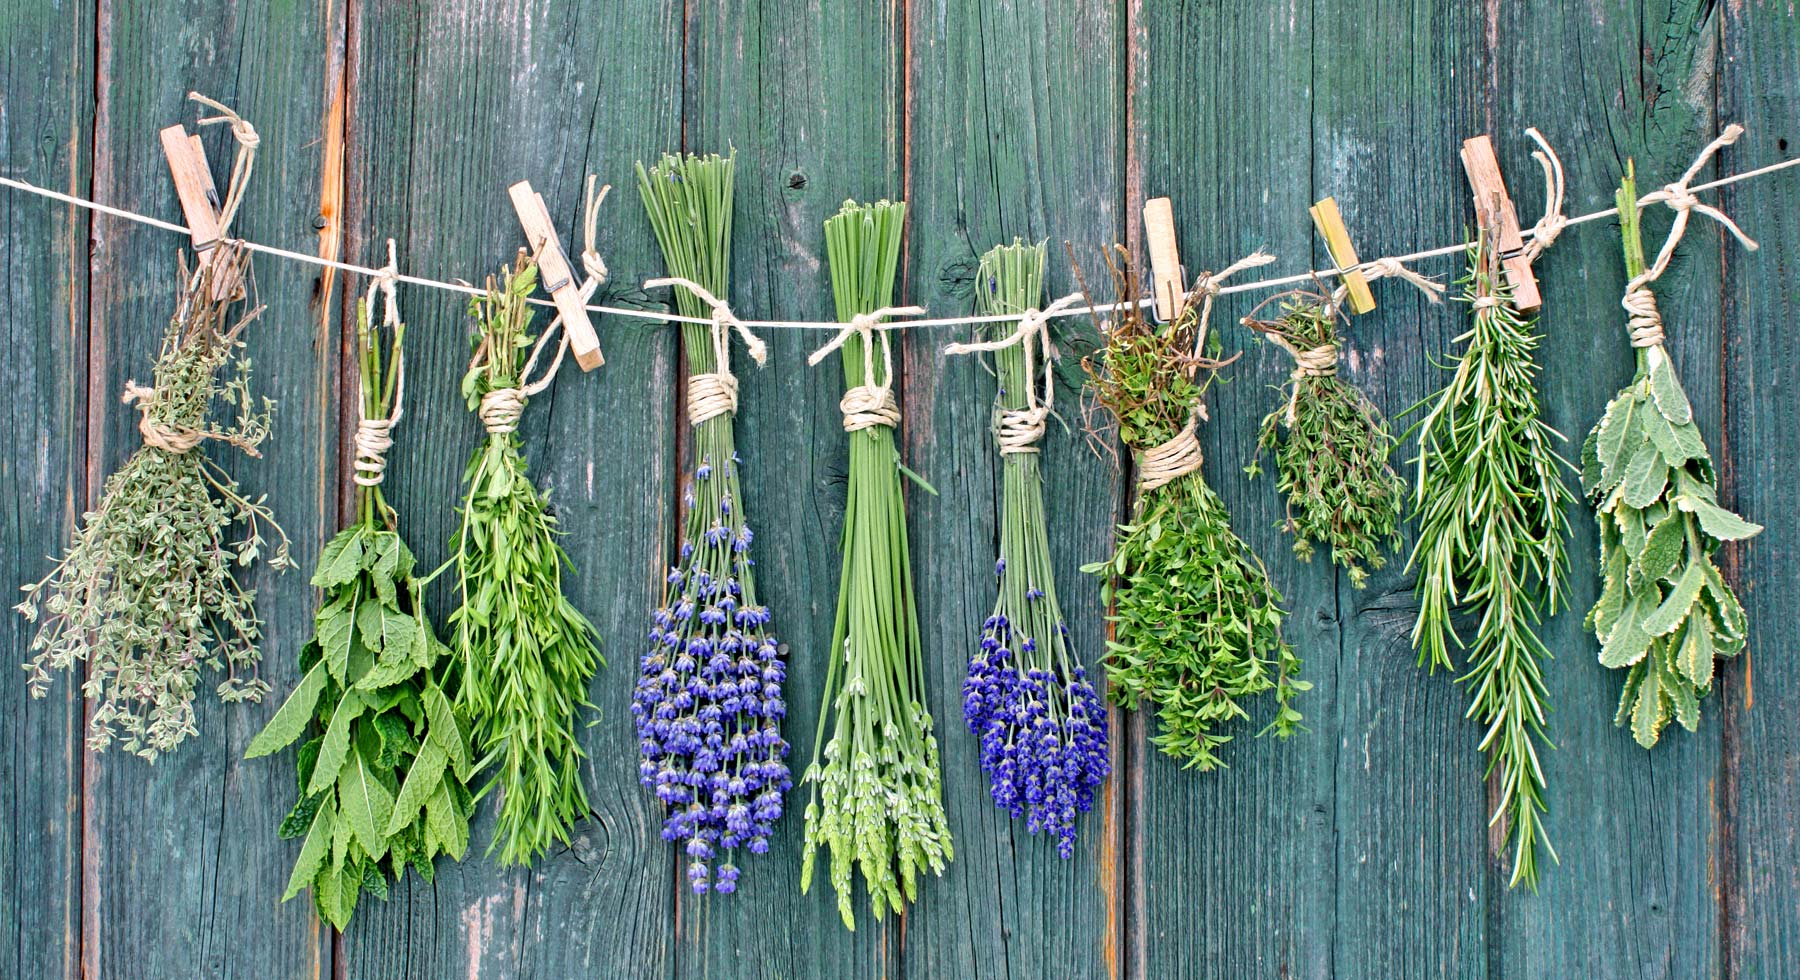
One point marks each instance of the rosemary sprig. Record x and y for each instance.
(1489, 499)
(146, 594)
(1665, 611)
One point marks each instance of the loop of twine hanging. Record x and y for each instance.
(1309, 362)
(1019, 430)
(374, 437)
(242, 163)
(715, 393)
(1210, 284)
(595, 267)
(1543, 234)
(1181, 455)
(868, 404)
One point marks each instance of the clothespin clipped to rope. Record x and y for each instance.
(556, 275)
(1167, 281)
(1493, 204)
(1330, 222)
(208, 219)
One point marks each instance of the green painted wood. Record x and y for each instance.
(452, 104)
(46, 130)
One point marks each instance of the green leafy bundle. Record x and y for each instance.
(147, 593)
(527, 654)
(1665, 612)
(384, 775)
(1331, 447)
(1489, 499)
(877, 802)
(1196, 621)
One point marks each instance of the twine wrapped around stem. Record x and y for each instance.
(1019, 430)
(374, 437)
(716, 392)
(869, 404)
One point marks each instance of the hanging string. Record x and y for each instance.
(374, 437)
(242, 162)
(715, 393)
(1019, 430)
(868, 404)
(1544, 233)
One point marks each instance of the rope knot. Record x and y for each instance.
(500, 410)
(866, 406)
(1164, 464)
(1316, 362)
(175, 439)
(374, 437)
(1645, 320)
(1020, 430)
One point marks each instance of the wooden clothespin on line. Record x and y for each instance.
(1167, 281)
(199, 202)
(1494, 204)
(556, 275)
(1330, 222)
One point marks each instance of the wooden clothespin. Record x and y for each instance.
(199, 200)
(1330, 223)
(556, 275)
(1166, 277)
(1493, 204)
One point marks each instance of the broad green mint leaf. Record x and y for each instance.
(336, 747)
(1671, 401)
(291, 718)
(1649, 714)
(342, 559)
(1662, 550)
(1718, 522)
(1645, 477)
(446, 731)
(1628, 642)
(367, 804)
(422, 780)
(335, 626)
(1674, 608)
(312, 853)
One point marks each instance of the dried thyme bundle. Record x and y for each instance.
(384, 777)
(1331, 447)
(1665, 611)
(877, 802)
(1197, 624)
(708, 706)
(1489, 499)
(1027, 697)
(527, 654)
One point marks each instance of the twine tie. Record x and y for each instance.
(1164, 464)
(1018, 430)
(715, 393)
(175, 439)
(374, 437)
(868, 404)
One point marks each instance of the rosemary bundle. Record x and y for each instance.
(1196, 621)
(1331, 447)
(1665, 612)
(708, 705)
(147, 594)
(877, 802)
(384, 776)
(1027, 697)
(527, 653)
(1489, 499)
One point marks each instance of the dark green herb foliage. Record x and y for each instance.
(1665, 612)
(383, 777)
(526, 653)
(1331, 447)
(1196, 621)
(1489, 498)
(877, 802)
(147, 594)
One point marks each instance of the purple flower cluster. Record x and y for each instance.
(1042, 731)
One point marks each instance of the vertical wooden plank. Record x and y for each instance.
(450, 104)
(183, 868)
(811, 98)
(1636, 892)
(1033, 101)
(46, 127)
(1760, 785)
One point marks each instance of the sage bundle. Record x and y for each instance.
(708, 705)
(1489, 499)
(877, 800)
(1027, 698)
(526, 653)
(383, 781)
(1331, 447)
(147, 593)
(1196, 621)
(1665, 612)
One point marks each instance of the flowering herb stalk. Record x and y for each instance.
(384, 777)
(1196, 621)
(1665, 611)
(877, 800)
(147, 594)
(527, 654)
(1027, 697)
(1489, 499)
(1331, 447)
(708, 706)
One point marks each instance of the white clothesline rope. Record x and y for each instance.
(1530, 235)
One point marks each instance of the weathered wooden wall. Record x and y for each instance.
(1358, 850)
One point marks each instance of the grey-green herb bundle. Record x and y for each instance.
(1196, 621)
(1665, 611)
(1331, 447)
(1489, 498)
(383, 778)
(708, 705)
(877, 802)
(526, 653)
(147, 593)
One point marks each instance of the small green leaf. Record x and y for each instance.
(1674, 608)
(1645, 477)
(1627, 642)
(336, 746)
(1695, 658)
(1665, 387)
(1649, 715)
(342, 559)
(290, 719)
(312, 853)
(335, 626)
(1718, 522)
(446, 731)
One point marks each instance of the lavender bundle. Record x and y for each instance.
(708, 706)
(1027, 697)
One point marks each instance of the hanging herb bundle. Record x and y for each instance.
(1196, 621)
(877, 801)
(1331, 447)
(1665, 611)
(527, 653)
(1027, 697)
(384, 776)
(708, 706)
(1489, 498)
